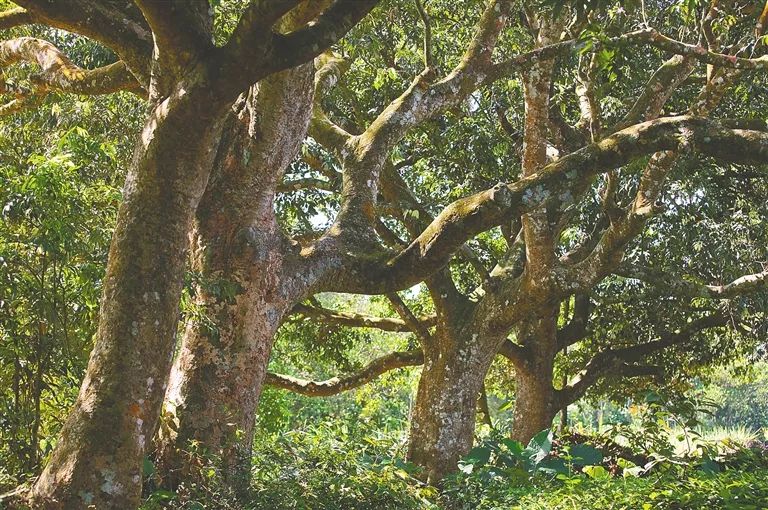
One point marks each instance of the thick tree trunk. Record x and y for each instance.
(535, 397)
(250, 278)
(97, 463)
(443, 418)
(216, 383)
(534, 405)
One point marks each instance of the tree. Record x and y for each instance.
(252, 275)
(166, 50)
(540, 268)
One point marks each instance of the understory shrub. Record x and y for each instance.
(329, 466)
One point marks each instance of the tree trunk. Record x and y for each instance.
(97, 463)
(534, 405)
(250, 278)
(535, 397)
(443, 418)
(215, 386)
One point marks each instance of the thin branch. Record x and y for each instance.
(613, 361)
(648, 36)
(388, 236)
(483, 407)
(701, 53)
(428, 59)
(357, 320)
(343, 383)
(337, 385)
(416, 325)
(589, 104)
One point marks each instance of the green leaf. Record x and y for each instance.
(161, 495)
(478, 455)
(539, 446)
(147, 467)
(596, 472)
(553, 466)
(515, 447)
(585, 455)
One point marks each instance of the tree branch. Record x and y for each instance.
(365, 155)
(117, 24)
(701, 53)
(515, 353)
(304, 44)
(677, 286)
(343, 383)
(662, 84)
(57, 72)
(613, 361)
(260, 52)
(15, 17)
(256, 20)
(428, 60)
(181, 28)
(357, 320)
(648, 36)
(330, 68)
(554, 184)
(417, 326)
(576, 329)
(337, 385)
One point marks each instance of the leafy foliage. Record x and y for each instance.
(331, 466)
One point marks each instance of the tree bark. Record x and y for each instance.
(534, 405)
(97, 462)
(250, 277)
(535, 397)
(214, 390)
(443, 418)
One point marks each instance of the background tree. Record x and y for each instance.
(512, 294)
(60, 163)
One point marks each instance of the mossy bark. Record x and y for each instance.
(250, 277)
(443, 417)
(97, 463)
